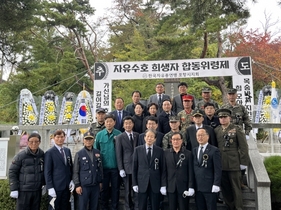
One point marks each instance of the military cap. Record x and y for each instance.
(232, 91)
(98, 110)
(206, 90)
(89, 135)
(182, 84)
(197, 112)
(187, 97)
(223, 112)
(174, 119)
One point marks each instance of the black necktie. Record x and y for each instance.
(119, 117)
(200, 155)
(160, 99)
(62, 154)
(149, 155)
(131, 139)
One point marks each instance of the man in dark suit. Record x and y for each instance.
(149, 172)
(177, 100)
(119, 113)
(159, 96)
(152, 123)
(58, 172)
(164, 117)
(207, 172)
(125, 144)
(179, 173)
(198, 117)
(136, 96)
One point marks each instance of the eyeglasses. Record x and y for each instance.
(33, 142)
(176, 139)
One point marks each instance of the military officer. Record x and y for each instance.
(186, 114)
(206, 98)
(239, 117)
(239, 114)
(99, 124)
(174, 122)
(234, 154)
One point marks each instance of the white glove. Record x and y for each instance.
(71, 186)
(215, 189)
(191, 191)
(163, 190)
(122, 173)
(136, 188)
(52, 192)
(243, 167)
(44, 189)
(14, 194)
(247, 137)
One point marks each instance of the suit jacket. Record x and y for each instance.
(145, 173)
(177, 103)
(154, 99)
(158, 142)
(58, 174)
(163, 122)
(192, 140)
(119, 125)
(209, 174)
(179, 177)
(125, 150)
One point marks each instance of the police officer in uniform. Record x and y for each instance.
(234, 154)
(99, 124)
(87, 174)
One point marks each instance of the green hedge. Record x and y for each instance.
(8, 203)
(273, 167)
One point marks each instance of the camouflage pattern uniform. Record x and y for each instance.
(96, 127)
(239, 116)
(201, 103)
(166, 142)
(185, 119)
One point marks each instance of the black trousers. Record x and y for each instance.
(177, 201)
(131, 199)
(62, 200)
(29, 200)
(206, 200)
(153, 197)
(89, 198)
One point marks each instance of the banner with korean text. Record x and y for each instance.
(239, 68)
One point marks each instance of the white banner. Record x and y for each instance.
(237, 67)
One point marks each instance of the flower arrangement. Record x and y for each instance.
(50, 113)
(67, 115)
(28, 116)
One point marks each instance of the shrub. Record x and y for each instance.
(273, 166)
(8, 203)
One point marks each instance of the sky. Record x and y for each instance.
(256, 9)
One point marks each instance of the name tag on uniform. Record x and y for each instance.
(83, 158)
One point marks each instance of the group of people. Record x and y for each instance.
(172, 147)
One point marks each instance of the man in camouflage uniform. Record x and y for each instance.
(175, 127)
(185, 115)
(206, 98)
(239, 114)
(99, 124)
(234, 155)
